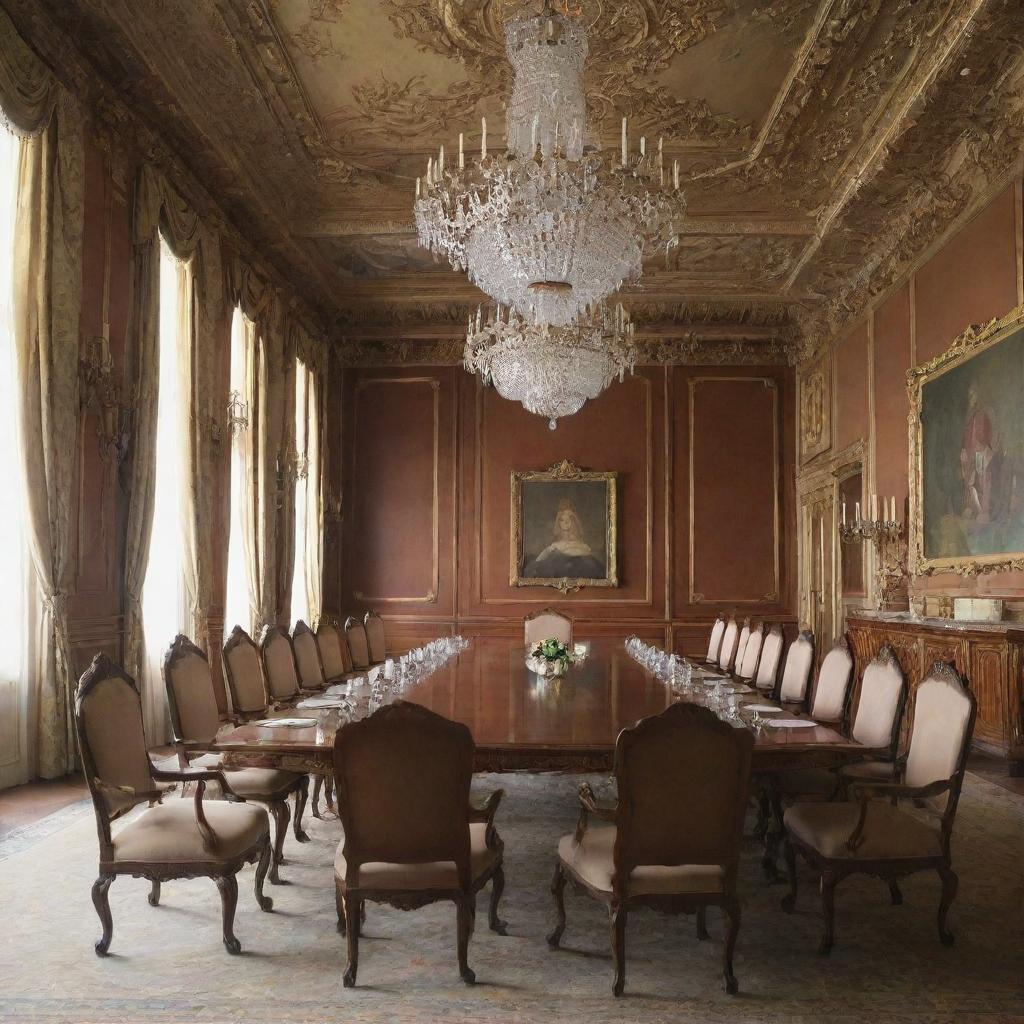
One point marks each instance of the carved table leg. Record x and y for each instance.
(228, 886)
(154, 893)
(102, 905)
(266, 904)
(318, 781)
(282, 815)
(301, 795)
(558, 891)
(497, 888)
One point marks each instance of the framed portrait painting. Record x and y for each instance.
(967, 453)
(563, 528)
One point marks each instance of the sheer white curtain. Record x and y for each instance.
(166, 601)
(15, 712)
(242, 597)
(309, 532)
(300, 593)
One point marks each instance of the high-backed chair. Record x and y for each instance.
(358, 645)
(747, 668)
(730, 639)
(247, 683)
(334, 655)
(547, 625)
(872, 836)
(676, 831)
(767, 676)
(832, 692)
(312, 677)
(796, 676)
(741, 645)
(179, 839)
(411, 835)
(279, 668)
(192, 705)
(376, 638)
(715, 641)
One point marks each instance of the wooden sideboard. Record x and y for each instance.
(990, 655)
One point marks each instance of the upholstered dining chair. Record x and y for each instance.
(730, 640)
(376, 638)
(411, 835)
(796, 675)
(715, 641)
(547, 624)
(279, 667)
(247, 683)
(767, 676)
(741, 645)
(746, 669)
(312, 677)
(675, 834)
(358, 645)
(334, 655)
(195, 720)
(179, 839)
(871, 834)
(831, 699)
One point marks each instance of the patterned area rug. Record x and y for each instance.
(168, 964)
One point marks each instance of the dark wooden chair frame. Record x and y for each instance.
(833, 871)
(728, 667)
(276, 806)
(371, 614)
(776, 628)
(222, 872)
(236, 638)
(302, 629)
(350, 898)
(346, 656)
(351, 622)
(722, 617)
(619, 900)
(736, 668)
(804, 704)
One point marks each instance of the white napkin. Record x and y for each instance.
(762, 708)
(790, 723)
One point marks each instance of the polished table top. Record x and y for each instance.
(520, 720)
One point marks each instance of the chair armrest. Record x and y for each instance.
(487, 811)
(130, 791)
(863, 792)
(588, 806)
(200, 776)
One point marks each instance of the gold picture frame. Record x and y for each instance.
(564, 531)
(937, 539)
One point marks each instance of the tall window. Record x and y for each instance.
(14, 694)
(165, 601)
(242, 596)
(300, 590)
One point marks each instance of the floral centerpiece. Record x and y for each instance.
(550, 658)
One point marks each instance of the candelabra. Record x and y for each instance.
(101, 393)
(238, 413)
(888, 535)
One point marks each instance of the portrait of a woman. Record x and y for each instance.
(568, 553)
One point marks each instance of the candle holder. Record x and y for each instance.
(870, 529)
(889, 538)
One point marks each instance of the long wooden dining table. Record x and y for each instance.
(524, 722)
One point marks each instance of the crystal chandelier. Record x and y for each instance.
(552, 371)
(550, 227)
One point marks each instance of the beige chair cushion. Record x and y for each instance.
(889, 834)
(243, 661)
(879, 701)
(728, 649)
(376, 642)
(331, 653)
(741, 648)
(715, 640)
(547, 626)
(833, 682)
(193, 694)
(593, 862)
(355, 633)
(768, 668)
(942, 712)
(808, 782)
(797, 673)
(281, 675)
(751, 653)
(169, 834)
(435, 875)
(307, 657)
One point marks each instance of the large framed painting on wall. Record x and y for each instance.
(563, 528)
(816, 408)
(967, 453)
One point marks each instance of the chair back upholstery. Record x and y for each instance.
(112, 742)
(403, 777)
(796, 676)
(771, 654)
(833, 689)
(359, 648)
(334, 654)
(883, 694)
(307, 658)
(547, 625)
(279, 663)
(243, 666)
(747, 668)
(683, 777)
(944, 712)
(191, 701)
(727, 653)
(741, 645)
(376, 639)
(715, 640)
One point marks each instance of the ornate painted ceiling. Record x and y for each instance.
(825, 142)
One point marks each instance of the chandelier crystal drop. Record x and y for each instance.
(551, 226)
(551, 371)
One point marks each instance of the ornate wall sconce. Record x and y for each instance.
(889, 536)
(291, 467)
(238, 413)
(101, 394)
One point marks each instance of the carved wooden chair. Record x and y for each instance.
(166, 841)
(547, 624)
(195, 721)
(411, 834)
(878, 837)
(767, 676)
(741, 645)
(247, 683)
(358, 645)
(674, 842)
(730, 640)
(831, 699)
(312, 677)
(376, 639)
(715, 641)
(796, 675)
(746, 669)
(334, 654)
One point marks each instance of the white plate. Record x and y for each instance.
(287, 723)
(790, 723)
(762, 708)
